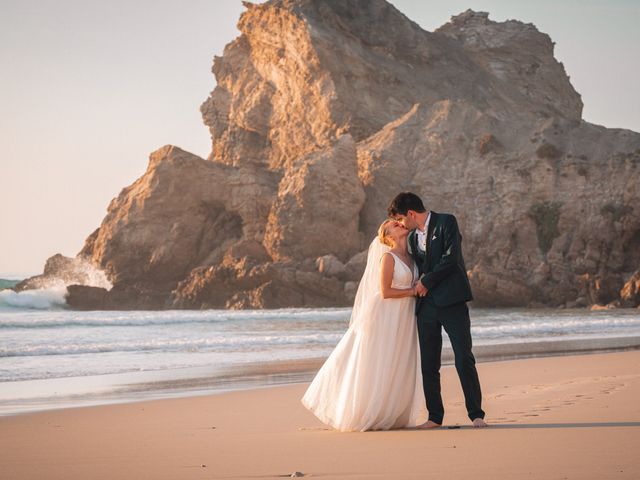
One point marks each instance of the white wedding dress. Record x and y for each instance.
(372, 379)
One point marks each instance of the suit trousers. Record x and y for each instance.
(455, 320)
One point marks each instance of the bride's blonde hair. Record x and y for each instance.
(383, 236)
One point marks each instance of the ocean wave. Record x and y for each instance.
(244, 343)
(569, 325)
(168, 317)
(48, 293)
(5, 283)
(61, 366)
(40, 299)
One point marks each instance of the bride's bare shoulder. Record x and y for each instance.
(388, 257)
(387, 261)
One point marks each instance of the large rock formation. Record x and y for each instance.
(323, 110)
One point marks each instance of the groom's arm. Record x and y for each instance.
(448, 262)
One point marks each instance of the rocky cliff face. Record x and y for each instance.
(323, 110)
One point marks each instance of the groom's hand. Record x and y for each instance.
(421, 290)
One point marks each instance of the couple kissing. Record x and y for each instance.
(384, 373)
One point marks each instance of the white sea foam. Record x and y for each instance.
(40, 299)
(95, 276)
(167, 345)
(50, 292)
(66, 318)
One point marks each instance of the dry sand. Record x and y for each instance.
(573, 417)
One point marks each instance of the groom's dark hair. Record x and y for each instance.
(404, 202)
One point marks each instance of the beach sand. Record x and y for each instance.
(570, 417)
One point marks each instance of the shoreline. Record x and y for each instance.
(578, 412)
(30, 396)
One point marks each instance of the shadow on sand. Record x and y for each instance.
(504, 426)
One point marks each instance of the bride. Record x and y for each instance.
(371, 380)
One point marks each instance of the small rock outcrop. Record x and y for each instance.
(630, 292)
(62, 271)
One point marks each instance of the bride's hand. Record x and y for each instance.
(419, 290)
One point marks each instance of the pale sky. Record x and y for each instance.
(88, 89)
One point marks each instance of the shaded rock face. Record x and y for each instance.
(536, 230)
(521, 58)
(323, 111)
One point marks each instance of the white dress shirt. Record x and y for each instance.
(422, 234)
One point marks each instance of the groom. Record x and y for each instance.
(443, 290)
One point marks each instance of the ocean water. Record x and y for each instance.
(4, 283)
(51, 356)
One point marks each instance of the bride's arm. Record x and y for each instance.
(386, 277)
